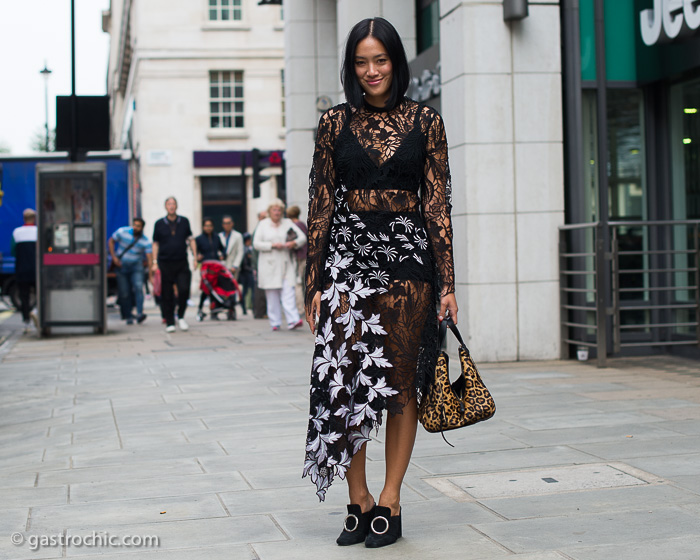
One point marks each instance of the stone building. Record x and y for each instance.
(195, 86)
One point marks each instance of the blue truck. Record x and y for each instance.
(18, 191)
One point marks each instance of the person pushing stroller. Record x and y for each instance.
(217, 282)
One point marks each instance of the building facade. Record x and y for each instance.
(195, 86)
(541, 141)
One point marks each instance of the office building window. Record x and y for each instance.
(226, 99)
(225, 10)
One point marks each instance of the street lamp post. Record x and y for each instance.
(46, 73)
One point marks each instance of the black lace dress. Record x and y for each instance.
(380, 252)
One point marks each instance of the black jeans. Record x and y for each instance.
(246, 281)
(174, 272)
(25, 290)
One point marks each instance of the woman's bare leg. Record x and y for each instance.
(357, 481)
(400, 437)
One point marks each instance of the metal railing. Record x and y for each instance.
(629, 284)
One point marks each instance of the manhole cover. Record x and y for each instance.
(540, 481)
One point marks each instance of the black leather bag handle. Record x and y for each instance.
(444, 324)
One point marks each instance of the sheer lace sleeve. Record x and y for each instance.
(437, 201)
(322, 180)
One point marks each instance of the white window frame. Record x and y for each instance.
(226, 112)
(228, 8)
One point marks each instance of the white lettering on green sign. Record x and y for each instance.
(669, 20)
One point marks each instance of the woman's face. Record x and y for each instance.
(275, 214)
(208, 227)
(373, 70)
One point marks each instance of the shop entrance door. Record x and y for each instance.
(222, 196)
(684, 111)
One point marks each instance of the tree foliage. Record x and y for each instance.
(38, 140)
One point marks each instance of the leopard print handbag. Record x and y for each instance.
(447, 406)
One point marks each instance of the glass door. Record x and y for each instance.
(685, 175)
(627, 192)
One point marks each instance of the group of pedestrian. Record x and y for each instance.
(272, 259)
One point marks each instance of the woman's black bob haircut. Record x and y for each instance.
(383, 31)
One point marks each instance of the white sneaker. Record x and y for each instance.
(170, 328)
(183, 325)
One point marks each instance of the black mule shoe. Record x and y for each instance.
(356, 525)
(384, 529)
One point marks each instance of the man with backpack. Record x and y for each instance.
(129, 248)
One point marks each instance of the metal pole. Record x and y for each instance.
(696, 235)
(601, 314)
(45, 72)
(603, 238)
(46, 102)
(563, 298)
(573, 153)
(73, 99)
(615, 292)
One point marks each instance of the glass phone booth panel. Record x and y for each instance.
(71, 246)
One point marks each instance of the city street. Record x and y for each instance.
(197, 438)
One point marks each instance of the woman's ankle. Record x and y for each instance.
(364, 499)
(393, 502)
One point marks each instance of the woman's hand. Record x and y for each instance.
(448, 303)
(313, 310)
(291, 245)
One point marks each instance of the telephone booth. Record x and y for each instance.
(71, 246)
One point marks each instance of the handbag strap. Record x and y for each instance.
(444, 324)
(135, 240)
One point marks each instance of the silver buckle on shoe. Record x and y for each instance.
(386, 528)
(345, 523)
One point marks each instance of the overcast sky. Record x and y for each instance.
(32, 31)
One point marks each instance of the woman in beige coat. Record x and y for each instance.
(276, 239)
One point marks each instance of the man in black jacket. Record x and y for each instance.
(171, 236)
(24, 250)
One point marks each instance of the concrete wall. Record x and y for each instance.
(311, 69)
(501, 102)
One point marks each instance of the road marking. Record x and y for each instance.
(4, 315)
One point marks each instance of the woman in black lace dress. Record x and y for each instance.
(379, 264)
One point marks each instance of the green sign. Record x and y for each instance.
(627, 57)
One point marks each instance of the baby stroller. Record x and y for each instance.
(218, 283)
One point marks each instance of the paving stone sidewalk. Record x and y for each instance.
(197, 438)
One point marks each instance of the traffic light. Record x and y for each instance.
(263, 160)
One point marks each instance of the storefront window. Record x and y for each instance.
(626, 181)
(685, 150)
(685, 173)
(626, 172)
(224, 196)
